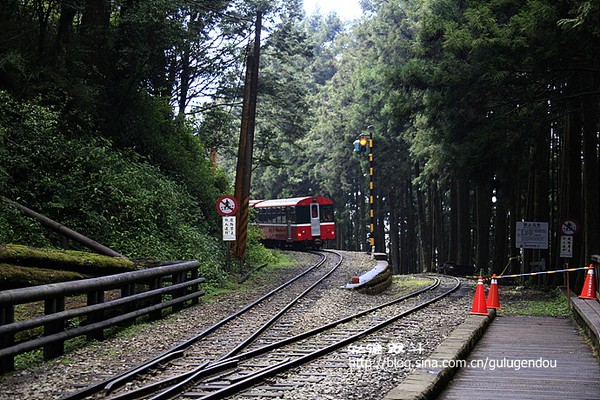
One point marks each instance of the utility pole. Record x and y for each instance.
(244, 162)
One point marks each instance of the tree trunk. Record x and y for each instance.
(362, 233)
(425, 244)
(463, 224)
(402, 236)
(483, 197)
(570, 186)
(453, 229)
(64, 34)
(43, 10)
(185, 79)
(407, 242)
(591, 192)
(438, 224)
(63, 230)
(541, 203)
(394, 234)
(94, 26)
(501, 228)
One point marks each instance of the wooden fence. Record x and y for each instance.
(145, 292)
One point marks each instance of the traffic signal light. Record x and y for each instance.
(361, 145)
(363, 141)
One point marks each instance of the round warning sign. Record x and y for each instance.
(568, 227)
(226, 205)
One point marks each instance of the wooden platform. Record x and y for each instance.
(528, 358)
(587, 315)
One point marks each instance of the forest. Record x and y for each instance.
(121, 120)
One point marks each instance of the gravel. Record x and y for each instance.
(319, 380)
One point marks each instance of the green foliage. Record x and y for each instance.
(88, 131)
(29, 359)
(258, 254)
(115, 197)
(93, 127)
(169, 144)
(283, 109)
(527, 301)
(16, 228)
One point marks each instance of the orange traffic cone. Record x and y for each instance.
(493, 300)
(479, 307)
(589, 286)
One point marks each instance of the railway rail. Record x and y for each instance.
(220, 367)
(249, 317)
(295, 351)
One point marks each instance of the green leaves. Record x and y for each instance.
(115, 197)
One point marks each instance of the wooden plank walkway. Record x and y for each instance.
(562, 365)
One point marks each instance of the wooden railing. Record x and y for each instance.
(145, 292)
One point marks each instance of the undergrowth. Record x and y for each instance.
(521, 300)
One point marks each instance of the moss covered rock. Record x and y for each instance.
(65, 260)
(16, 276)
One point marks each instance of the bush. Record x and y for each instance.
(115, 197)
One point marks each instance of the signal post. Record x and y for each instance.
(363, 144)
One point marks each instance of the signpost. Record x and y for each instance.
(568, 228)
(566, 247)
(532, 235)
(229, 229)
(227, 207)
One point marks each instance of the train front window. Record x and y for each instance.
(315, 210)
(302, 215)
(327, 213)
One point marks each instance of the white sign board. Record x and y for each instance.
(566, 246)
(532, 235)
(229, 229)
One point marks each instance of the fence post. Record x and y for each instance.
(95, 297)
(51, 306)
(155, 284)
(127, 290)
(178, 277)
(7, 316)
(194, 288)
(96, 290)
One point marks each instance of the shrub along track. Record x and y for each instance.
(215, 367)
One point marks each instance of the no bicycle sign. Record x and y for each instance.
(226, 206)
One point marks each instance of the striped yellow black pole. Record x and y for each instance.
(371, 191)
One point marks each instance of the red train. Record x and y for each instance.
(302, 221)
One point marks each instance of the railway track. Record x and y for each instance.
(208, 346)
(216, 363)
(261, 363)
